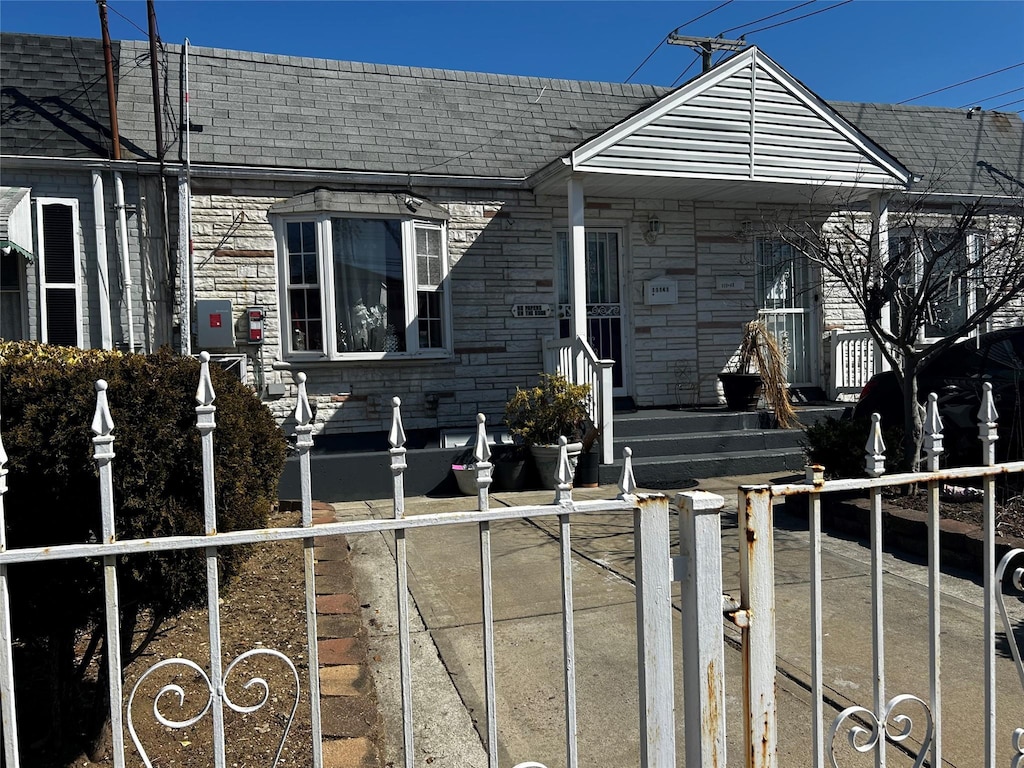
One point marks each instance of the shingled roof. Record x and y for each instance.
(54, 96)
(292, 112)
(951, 150)
(287, 111)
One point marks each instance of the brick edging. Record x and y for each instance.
(961, 544)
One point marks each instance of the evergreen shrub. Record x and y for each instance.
(838, 445)
(47, 402)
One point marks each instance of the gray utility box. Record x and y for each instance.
(215, 325)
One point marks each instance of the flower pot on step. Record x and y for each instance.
(742, 390)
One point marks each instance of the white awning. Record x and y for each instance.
(16, 220)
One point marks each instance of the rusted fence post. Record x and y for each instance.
(757, 620)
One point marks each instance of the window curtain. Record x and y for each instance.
(368, 285)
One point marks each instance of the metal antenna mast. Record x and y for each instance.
(705, 46)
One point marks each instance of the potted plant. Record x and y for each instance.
(760, 371)
(464, 468)
(510, 468)
(539, 416)
(588, 467)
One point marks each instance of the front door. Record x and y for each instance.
(784, 300)
(604, 298)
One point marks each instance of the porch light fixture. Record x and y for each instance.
(653, 229)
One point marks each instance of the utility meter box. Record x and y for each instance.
(215, 327)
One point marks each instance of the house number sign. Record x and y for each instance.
(531, 310)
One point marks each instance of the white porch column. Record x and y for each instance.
(880, 246)
(577, 260)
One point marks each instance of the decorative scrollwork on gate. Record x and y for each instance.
(867, 730)
(1017, 582)
(258, 682)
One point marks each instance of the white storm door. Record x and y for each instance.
(604, 298)
(784, 299)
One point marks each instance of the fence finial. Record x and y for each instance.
(874, 458)
(102, 422)
(205, 394)
(482, 452)
(303, 413)
(627, 483)
(3, 487)
(563, 474)
(397, 435)
(988, 427)
(933, 432)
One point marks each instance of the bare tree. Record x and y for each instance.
(933, 276)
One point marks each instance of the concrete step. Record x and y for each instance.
(670, 447)
(664, 472)
(702, 443)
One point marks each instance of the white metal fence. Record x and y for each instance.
(869, 726)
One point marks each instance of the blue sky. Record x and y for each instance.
(864, 50)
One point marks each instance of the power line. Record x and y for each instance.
(723, 33)
(989, 98)
(662, 41)
(681, 74)
(798, 18)
(771, 26)
(1007, 104)
(143, 31)
(962, 82)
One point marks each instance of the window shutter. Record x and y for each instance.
(60, 279)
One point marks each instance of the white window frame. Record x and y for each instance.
(325, 272)
(21, 290)
(44, 285)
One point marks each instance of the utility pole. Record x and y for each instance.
(705, 46)
(108, 60)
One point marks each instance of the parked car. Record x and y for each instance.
(957, 376)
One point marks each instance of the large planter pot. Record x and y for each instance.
(742, 390)
(510, 474)
(588, 470)
(546, 459)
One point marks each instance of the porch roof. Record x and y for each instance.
(745, 130)
(15, 220)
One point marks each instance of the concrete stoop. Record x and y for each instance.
(350, 717)
(669, 446)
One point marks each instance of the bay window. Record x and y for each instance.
(364, 287)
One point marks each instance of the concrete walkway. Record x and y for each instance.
(447, 638)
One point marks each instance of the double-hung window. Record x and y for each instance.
(364, 287)
(941, 267)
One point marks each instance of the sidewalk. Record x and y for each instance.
(447, 653)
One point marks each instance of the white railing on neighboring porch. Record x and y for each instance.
(577, 361)
(855, 358)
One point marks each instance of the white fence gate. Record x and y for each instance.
(868, 727)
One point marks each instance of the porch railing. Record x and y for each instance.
(855, 358)
(576, 360)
